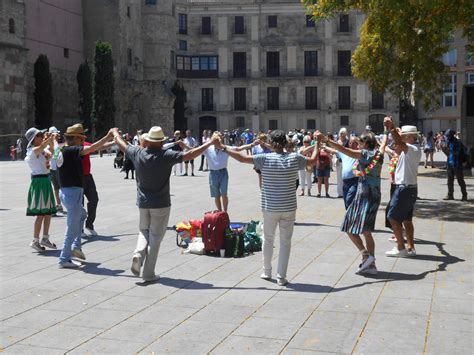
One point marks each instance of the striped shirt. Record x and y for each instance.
(279, 174)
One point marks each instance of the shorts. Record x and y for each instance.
(402, 203)
(55, 179)
(218, 182)
(323, 172)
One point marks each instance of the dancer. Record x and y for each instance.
(344, 141)
(41, 202)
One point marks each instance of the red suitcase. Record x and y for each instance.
(213, 230)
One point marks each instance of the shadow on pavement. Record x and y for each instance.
(94, 269)
(445, 211)
(102, 238)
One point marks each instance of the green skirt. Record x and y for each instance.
(41, 201)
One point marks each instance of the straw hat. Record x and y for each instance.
(409, 130)
(76, 130)
(155, 134)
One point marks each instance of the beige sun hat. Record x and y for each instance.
(76, 130)
(155, 134)
(409, 130)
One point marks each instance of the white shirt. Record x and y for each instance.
(216, 158)
(38, 164)
(407, 167)
(190, 142)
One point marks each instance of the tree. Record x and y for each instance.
(84, 88)
(43, 93)
(179, 108)
(104, 106)
(402, 42)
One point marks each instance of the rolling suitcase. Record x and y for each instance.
(213, 230)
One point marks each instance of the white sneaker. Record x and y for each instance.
(59, 214)
(136, 264)
(47, 243)
(266, 276)
(371, 270)
(71, 264)
(91, 232)
(366, 263)
(84, 235)
(77, 253)
(35, 244)
(281, 281)
(411, 252)
(397, 253)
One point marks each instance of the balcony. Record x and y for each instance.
(311, 72)
(273, 72)
(239, 106)
(344, 71)
(313, 105)
(197, 74)
(206, 107)
(345, 105)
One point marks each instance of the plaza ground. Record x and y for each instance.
(217, 305)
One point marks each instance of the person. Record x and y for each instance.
(153, 167)
(429, 149)
(177, 148)
(54, 132)
(278, 197)
(344, 141)
(136, 138)
(323, 171)
(262, 147)
(305, 174)
(402, 203)
(455, 153)
(247, 138)
(13, 152)
(362, 211)
(190, 143)
(41, 202)
(128, 166)
(19, 148)
(71, 180)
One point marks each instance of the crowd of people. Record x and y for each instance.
(283, 162)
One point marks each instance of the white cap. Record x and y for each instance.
(53, 129)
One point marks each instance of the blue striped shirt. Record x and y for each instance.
(279, 174)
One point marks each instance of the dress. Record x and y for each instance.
(361, 213)
(41, 201)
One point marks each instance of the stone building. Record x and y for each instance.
(266, 65)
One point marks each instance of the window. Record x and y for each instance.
(450, 93)
(129, 57)
(183, 45)
(309, 21)
(196, 66)
(240, 101)
(450, 58)
(195, 63)
(310, 63)
(66, 52)
(344, 97)
(344, 121)
(272, 21)
(377, 101)
(469, 59)
(311, 124)
(273, 98)
(344, 23)
(206, 25)
(240, 64)
(207, 99)
(239, 28)
(240, 122)
(344, 63)
(150, 2)
(311, 98)
(11, 25)
(470, 78)
(272, 124)
(273, 63)
(183, 24)
(128, 12)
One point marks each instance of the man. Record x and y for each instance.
(247, 138)
(278, 197)
(454, 150)
(153, 168)
(71, 180)
(190, 143)
(54, 172)
(402, 203)
(177, 148)
(344, 141)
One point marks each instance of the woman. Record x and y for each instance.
(344, 141)
(305, 174)
(323, 171)
(361, 214)
(429, 149)
(41, 201)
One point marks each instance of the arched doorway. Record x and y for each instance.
(207, 122)
(376, 122)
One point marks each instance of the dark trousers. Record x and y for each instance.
(202, 162)
(90, 192)
(459, 174)
(387, 221)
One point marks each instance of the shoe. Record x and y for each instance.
(71, 264)
(397, 253)
(448, 198)
(192, 174)
(185, 174)
(125, 178)
(136, 264)
(153, 279)
(318, 195)
(281, 281)
(339, 196)
(59, 214)
(47, 243)
(302, 193)
(84, 235)
(91, 232)
(327, 195)
(371, 270)
(464, 198)
(393, 239)
(77, 253)
(35, 244)
(366, 263)
(411, 252)
(309, 192)
(266, 276)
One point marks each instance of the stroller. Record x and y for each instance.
(118, 161)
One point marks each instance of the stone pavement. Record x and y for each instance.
(215, 305)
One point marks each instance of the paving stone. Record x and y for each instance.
(98, 318)
(271, 328)
(346, 304)
(38, 319)
(26, 349)
(249, 345)
(340, 341)
(336, 320)
(10, 335)
(451, 322)
(223, 313)
(138, 332)
(452, 305)
(107, 346)
(450, 342)
(393, 305)
(164, 314)
(396, 341)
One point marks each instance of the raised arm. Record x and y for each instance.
(39, 149)
(246, 146)
(195, 152)
(314, 157)
(356, 154)
(122, 145)
(400, 144)
(99, 144)
(243, 158)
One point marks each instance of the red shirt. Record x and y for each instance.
(86, 160)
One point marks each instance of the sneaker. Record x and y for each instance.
(318, 195)
(153, 279)
(47, 243)
(281, 281)
(59, 214)
(84, 235)
(397, 253)
(77, 253)
(366, 263)
(327, 195)
(71, 264)
(266, 276)
(185, 174)
(35, 244)
(91, 232)
(411, 252)
(192, 174)
(371, 270)
(136, 264)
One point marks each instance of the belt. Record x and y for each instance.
(220, 169)
(39, 176)
(408, 186)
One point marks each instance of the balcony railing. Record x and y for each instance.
(377, 105)
(239, 106)
(273, 72)
(197, 74)
(344, 71)
(205, 107)
(345, 105)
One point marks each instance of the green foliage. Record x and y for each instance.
(104, 106)
(84, 88)
(43, 93)
(179, 108)
(402, 41)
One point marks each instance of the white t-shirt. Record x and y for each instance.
(190, 142)
(216, 158)
(407, 167)
(39, 165)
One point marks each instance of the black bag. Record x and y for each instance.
(239, 244)
(234, 243)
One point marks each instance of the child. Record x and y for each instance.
(41, 201)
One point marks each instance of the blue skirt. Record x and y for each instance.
(361, 213)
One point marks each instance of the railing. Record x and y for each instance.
(344, 71)
(345, 105)
(203, 107)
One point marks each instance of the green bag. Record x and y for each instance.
(252, 226)
(252, 242)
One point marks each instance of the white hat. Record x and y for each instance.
(368, 128)
(53, 129)
(409, 130)
(155, 134)
(31, 134)
(343, 130)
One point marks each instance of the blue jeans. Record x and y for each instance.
(71, 198)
